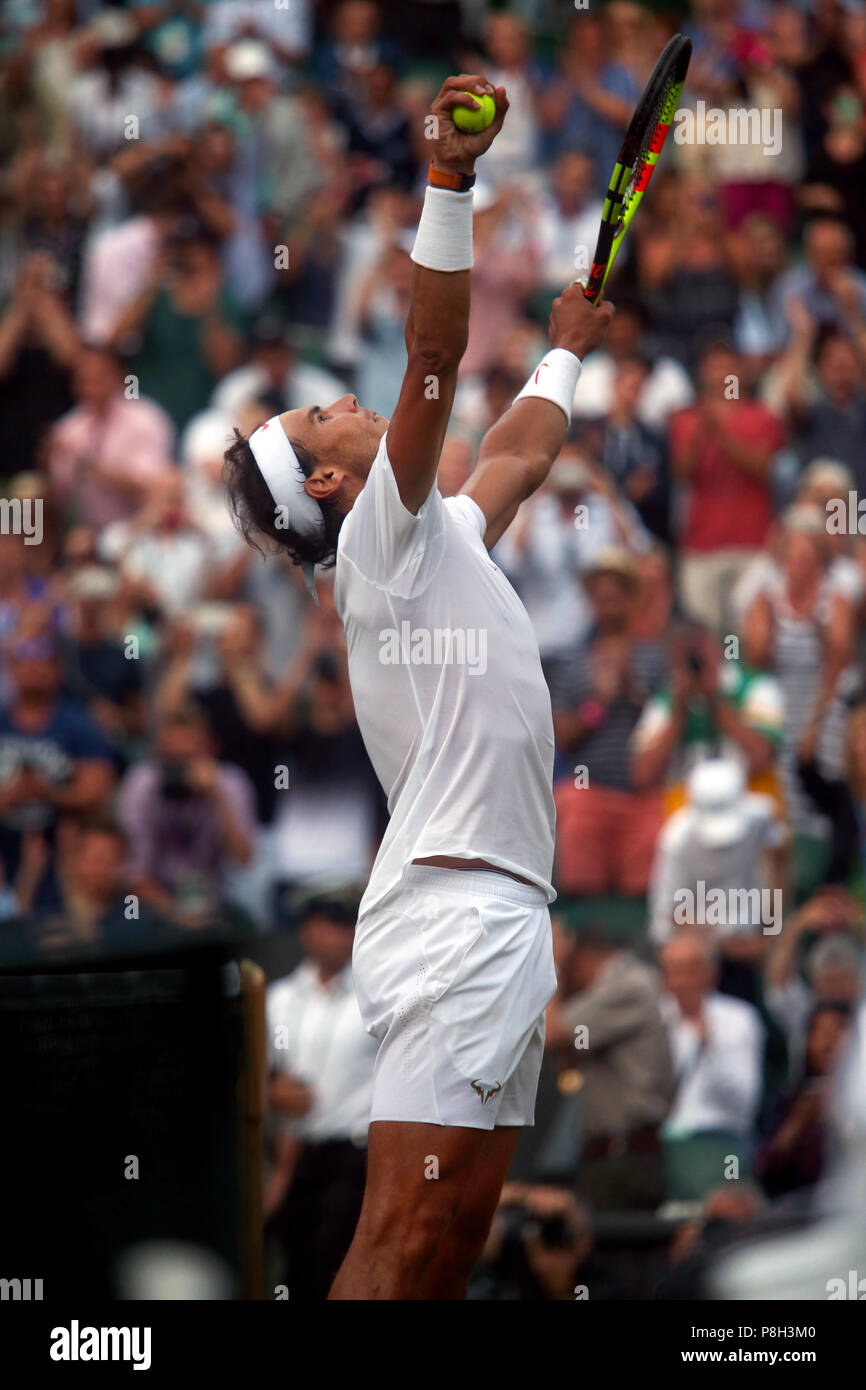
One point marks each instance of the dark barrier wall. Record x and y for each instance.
(103, 1066)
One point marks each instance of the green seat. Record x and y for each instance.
(624, 917)
(697, 1163)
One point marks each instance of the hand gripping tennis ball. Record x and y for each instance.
(474, 118)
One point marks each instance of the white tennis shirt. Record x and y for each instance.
(446, 678)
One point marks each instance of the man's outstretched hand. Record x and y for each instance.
(455, 151)
(577, 325)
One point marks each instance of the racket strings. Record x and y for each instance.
(650, 143)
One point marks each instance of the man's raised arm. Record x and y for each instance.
(518, 452)
(438, 321)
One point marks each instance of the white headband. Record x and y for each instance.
(278, 464)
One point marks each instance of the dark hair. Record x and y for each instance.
(102, 823)
(254, 511)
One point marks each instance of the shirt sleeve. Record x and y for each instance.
(85, 739)
(135, 811)
(763, 707)
(390, 546)
(467, 511)
(654, 720)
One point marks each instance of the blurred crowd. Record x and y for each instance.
(206, 214)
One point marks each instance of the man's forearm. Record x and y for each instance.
(438, 319)
(532, 429)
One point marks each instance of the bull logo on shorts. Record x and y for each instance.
(486, 1089)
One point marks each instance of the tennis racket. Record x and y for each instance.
(638, 157)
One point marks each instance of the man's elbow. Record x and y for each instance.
(438, 356)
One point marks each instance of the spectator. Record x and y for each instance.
(320, 1089)
(722, 451)
(38, 348)
(830, 289)
(356, 47)
(665, 388)
(181, 330)
(334, 813)
(583, 107)
(512, 64)
(759, 248)
(606, 829)
(382, 308)
(106, 452)
(102, 97)
(274, 375)
(100, 667)
(607, 1007)
(796, 1149)
(567, 222)
(717, 1044)
(54, 760)
(161, 552)
(710, 853)
(539, 1245)
(710, 707)
(799, 979)
(378, 137)
(557, 537)
(633, 455)
(504, 273)
(187, 818)
(96, 910)
(832, 422)
(802, 628)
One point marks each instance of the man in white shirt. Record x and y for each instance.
(567, 222)
(717, 1043)
(708, 870)
(321, 1083)
(452, 963)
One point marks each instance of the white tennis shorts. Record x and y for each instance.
(453, 970)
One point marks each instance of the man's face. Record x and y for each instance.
(166, 498)
(255, 93)
(98, 863)
(275, 359)
(624, 334)
(343, 439)
(827, 1037)
(181, 742)
(838, 368)
(96, 379)
(716, 369)
(33, 669)
(611, 600)
(628, 384)
(687, 973)
(357, 22)
(834, 982)
(326, 943)
(506, 41)
(766, 243)
(572, 179)
(827, 247)
(584, 966)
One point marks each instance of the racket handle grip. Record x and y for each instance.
(593, 287)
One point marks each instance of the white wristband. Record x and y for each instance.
(554, 379)
(444, 238)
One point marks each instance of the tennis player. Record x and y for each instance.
(452, 961)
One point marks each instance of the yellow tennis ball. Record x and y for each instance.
(474, 118)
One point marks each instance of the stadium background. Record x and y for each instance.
(206, 211)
